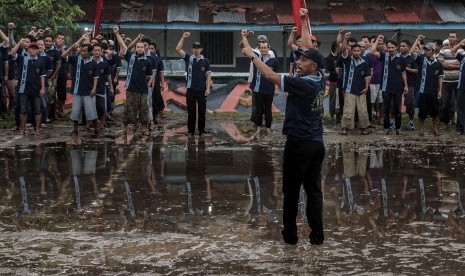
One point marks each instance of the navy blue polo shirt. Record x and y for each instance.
(197, 76)
(12, 68)
(65, 66)
(160, 68)
(114, 62)
(83, 84)
(461, 85)
(304, 107)
(103, 69)
(48, 66)
(30, 83)
(410, 63)
(429, 74)
(354, 82)
(395, 68)
(54, 56)
(3, 58)
(141, 68)
(259, 83)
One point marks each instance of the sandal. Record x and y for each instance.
(343, 131)
(421, 133)
(364, 132)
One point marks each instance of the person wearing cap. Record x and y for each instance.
(460, 126)
(198, 83)
(140, 73)
(263, 90)
(31, 87)
(451, 78)
(430, 74)
(357, 84)
(394, 81)
(304, 150)
(84, 85)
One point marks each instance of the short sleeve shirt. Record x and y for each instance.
(265, 86)
(54, 57)
(103, 69)
(393, 83)
(30, 71)
(411, 77)
(85, 79)
(140, 68)
(197, 75)
(429, 74)
(304, 107)
(354, 82)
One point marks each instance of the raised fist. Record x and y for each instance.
(186, 34)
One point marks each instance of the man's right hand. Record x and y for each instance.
(186, 35)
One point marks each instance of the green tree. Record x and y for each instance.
(40, 13)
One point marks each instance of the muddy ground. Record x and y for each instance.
(165, 237)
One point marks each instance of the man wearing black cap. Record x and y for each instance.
(198, 83)
(304, 150)
(31, 86)
(430, 77)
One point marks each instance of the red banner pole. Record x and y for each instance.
(98, 14)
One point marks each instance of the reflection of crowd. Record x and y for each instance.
(376, 190)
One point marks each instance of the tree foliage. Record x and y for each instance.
(40, 13)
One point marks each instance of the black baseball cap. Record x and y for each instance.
(197, 45)
(313, 55)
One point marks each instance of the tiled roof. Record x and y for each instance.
(404, 17)
(347, 17)
(272, 12)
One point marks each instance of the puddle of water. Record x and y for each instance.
(199, 204)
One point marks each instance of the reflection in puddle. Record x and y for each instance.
(201, 188)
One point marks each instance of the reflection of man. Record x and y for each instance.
(197, 180)
(262, 182)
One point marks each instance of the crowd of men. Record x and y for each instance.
(35, 72)
(370, 78)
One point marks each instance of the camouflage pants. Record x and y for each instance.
(136, 108)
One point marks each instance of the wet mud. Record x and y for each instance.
(169, 204)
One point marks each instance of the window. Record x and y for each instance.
(218, 47)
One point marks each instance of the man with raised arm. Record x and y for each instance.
(198, 84)
(304, 150)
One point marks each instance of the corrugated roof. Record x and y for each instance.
(260, 12)
(400, 17)
(160, 11)
(339, 17)
(284, 13)
(450, 11)
(229, 17)
(183, 11)
(135, 15)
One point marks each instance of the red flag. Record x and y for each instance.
(98, 13)
(296, 6)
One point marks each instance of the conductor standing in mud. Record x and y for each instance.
(304, 150)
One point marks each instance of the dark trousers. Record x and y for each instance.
(3, 108)
(340, 95)
(460, 111)
(393, 100)
(302, 163)
(196, 99)
(449, 94)
(262, 107)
